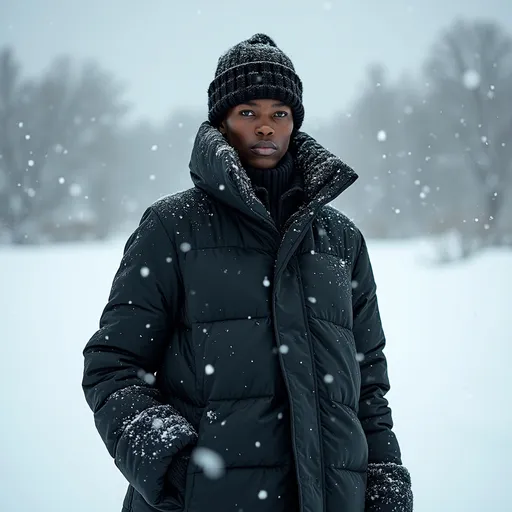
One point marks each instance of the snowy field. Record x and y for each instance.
(449, 353)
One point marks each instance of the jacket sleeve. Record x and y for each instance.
(140, 431)
(388, 482)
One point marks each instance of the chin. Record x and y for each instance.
(263, 162)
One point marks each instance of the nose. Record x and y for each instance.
(264, 131)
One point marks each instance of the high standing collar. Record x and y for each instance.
(215, 168)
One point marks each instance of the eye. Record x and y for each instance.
(246, 113)
(281, 113)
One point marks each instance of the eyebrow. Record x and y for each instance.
(253, 104)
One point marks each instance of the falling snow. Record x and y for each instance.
(149, 378)
(209, 461)
(471, 79)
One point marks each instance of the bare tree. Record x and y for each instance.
(13, 200)
(376, 139)
(57, 138)
(470, 75)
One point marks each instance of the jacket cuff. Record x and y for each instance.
(177, 473)
(146, 449)
(388, 488)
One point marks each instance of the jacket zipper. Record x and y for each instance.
(294, 444)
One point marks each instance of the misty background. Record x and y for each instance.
(100, 102)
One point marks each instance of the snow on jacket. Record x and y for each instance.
(221, 333)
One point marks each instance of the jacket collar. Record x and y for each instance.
(216, 169)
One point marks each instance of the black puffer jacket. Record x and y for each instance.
(266, 349)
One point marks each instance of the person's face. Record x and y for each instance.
(260, 131)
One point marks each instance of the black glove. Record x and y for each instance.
(388, 488)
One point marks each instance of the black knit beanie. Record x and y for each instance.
(254, 69)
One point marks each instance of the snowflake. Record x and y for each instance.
(209, 461)
(471, 79)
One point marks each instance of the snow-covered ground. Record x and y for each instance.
(449, 355)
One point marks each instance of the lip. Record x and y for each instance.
(264, 148)
(262, 151)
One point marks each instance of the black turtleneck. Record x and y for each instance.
(272, 184)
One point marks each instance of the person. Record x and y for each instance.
(239, 362)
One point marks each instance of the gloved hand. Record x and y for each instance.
(388, 488)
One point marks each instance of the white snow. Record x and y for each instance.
(382, 136)
(143, 375)
(209, 461)
(448, 352)
(263, 495)
(328, 378)
(471, 79)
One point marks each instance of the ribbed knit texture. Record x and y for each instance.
(254, 69)
(177, 472)
(280, 188)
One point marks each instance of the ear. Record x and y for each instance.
(222, 127)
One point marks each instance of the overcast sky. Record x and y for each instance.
(166, 51)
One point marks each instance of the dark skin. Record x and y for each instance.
(257, 121)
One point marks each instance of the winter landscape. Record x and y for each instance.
(448, 349)
(89, 137)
